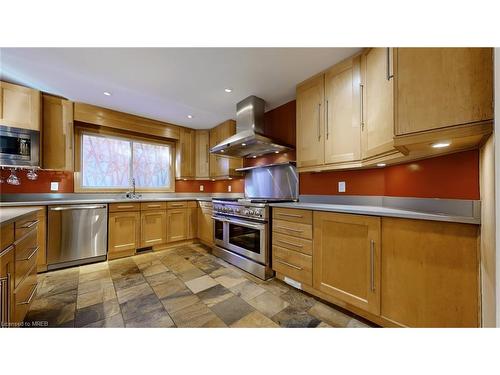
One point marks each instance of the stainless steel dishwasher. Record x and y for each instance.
(77, 234)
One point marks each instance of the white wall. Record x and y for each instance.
(497, 177)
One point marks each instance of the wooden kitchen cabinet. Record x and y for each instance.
(223, 166)
(185, 154)
(377, 118)
(430, 273)
(41, 262)
(153, 227)
(19, 106)
(346, 258)
(192, 220)
(7, 264)
(205, 223)
(177, 224)
(343, 106)
(202, 157)
(310, 123)
(441, 87)
(124, 233)
(57, 125)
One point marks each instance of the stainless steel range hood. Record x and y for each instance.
(249, 139)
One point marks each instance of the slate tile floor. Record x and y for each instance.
(181, 287)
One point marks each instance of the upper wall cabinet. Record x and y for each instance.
(57, 125)
(19, 106)
(377, 120)
(310, 118)
(223, 166)
(328, 117)
(390, 105)
(443, 95)
(185, 154)
(202, 147)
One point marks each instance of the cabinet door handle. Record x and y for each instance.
(319, 121)
(361, 105)
(389, 74)
(32, 294)
(327, 128)
(153, 205)
(372, 265)
(288, 264)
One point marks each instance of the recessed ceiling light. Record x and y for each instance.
(381, 165)
(441, 144)
(276, 152)
(230, 178)
(254, 156)
(213, 179)
(243, 144)
(184, 179)
(190, 116)
(107, 93)
(228, 90)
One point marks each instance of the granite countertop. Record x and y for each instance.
(379, 211)
(9, 215)
(99, 200)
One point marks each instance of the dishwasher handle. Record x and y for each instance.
(66, 208)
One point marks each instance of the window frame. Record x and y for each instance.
(78, 180)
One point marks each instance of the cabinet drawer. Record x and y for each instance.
(292, 243)
(25, 225)
(291, 263)
(117, 207)
(293, 229)
(291, 214)
(192, 204)
(7, 236)
(153, 206)
(180, 204)
(23, 296)
(26, 254)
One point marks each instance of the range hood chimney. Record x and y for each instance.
(249, 139)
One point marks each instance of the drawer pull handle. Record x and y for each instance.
(290, 229)
(153, 205)
(32, 294)
(290, 215)
(35, 249)
(155, 240)
(125, 206)
(291, 244)
(289, 264)
(177, 205)
(127, 244)
(33, 223)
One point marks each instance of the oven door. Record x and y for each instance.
(247, 238)
(19, 146)
(220, 229)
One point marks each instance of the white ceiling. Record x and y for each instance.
(168, 84)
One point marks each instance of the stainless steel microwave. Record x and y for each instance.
(19, 147)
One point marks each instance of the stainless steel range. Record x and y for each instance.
(241, 226)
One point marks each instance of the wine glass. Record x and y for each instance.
(13, 179)
(32, 175)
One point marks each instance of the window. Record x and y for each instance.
(110, 163)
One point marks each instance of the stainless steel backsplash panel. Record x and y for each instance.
(272, 182)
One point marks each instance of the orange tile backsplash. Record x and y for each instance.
(454, 176)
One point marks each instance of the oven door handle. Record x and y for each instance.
(246, 224)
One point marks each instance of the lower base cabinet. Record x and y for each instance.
(177, 225)
(124, 234)
(192, 220)
(393, 271)
(430, 273)
(205, 223)
(153, 228)
(346, 258)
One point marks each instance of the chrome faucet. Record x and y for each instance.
(132, 194)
